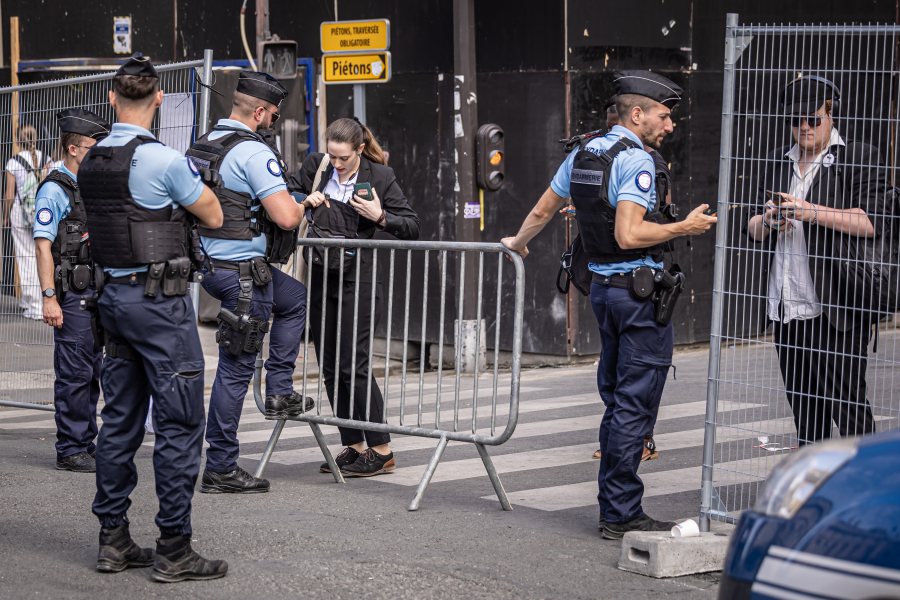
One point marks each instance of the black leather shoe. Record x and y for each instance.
(370, 463)
(119, 552)
(616, 531)
(80, 463)
(283, 406)
(347, 456)
(177, 561)
(238, 481)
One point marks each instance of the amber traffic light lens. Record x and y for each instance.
(496, 157)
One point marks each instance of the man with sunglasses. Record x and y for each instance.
(258, 210)
(814, 196)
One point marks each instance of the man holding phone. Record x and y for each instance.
(256, 202)
(815, 196)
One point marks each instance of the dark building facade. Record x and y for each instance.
(544, 72)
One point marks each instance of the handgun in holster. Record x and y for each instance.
(669, 285)
(240, 333)
(90, 304)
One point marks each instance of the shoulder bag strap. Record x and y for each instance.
(304, 225)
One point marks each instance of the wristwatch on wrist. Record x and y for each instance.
(49, 293)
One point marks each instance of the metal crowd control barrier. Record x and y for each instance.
(803, 344)
(28, 130)
(461, 424)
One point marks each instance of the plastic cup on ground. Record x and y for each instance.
(686, 530)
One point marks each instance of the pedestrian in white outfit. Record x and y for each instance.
(24, 173)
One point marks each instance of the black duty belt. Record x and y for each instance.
(228, 265)
(617, 280)
(133, 279)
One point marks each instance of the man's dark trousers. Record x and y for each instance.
(163, 331)
(636, 353)
(76, 363)
(824, 373)
(285, 297)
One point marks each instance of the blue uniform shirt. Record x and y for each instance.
(251, 168)
(159, 176)
(632, 178)
(50, 207)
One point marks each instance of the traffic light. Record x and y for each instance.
(278, 58)
(489, 150)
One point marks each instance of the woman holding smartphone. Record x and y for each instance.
(354, 158)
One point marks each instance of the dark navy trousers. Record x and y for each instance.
(163, 330)
(76, 363)
(636, 353)
(285, 297)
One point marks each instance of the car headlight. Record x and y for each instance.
(798, 476)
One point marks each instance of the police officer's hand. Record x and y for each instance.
(510, 242)
(370, 209)
(564, 211)
(696, 222)
(315, 199)
(52, 313)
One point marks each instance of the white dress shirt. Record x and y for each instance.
(342, 192)
(790, 281)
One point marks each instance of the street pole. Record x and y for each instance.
(262, 29)
(465, 115)
(359, 102)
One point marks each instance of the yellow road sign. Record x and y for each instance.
(355, 36)
(356, 68)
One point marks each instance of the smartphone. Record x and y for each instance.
(570, 212)
(775, 197)
(363, 190)
(711, 211)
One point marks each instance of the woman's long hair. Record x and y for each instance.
(351, 131)
(27, 137)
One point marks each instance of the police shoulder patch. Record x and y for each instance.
(44, 216)
(644, 180)
(274, 167)
(192, 166)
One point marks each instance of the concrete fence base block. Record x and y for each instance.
(658, 554)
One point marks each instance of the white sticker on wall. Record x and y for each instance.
(122, 35)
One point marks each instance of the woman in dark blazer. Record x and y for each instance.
(354, 157)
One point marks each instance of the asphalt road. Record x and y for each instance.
(312, 537)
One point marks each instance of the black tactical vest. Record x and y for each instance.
(71, 241)
(124, 234)
(237, 207)
(596, 216)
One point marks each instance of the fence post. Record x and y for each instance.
(202, 128)
(715, 338)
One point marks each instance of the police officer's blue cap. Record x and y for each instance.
(83, 122)
(653, 86)
(262, 86)
(806, 94)
(139, 66)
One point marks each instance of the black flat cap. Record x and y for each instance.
(139, 66)
(653, 86)
(262, 86)
(805, 95)
(609, 103)
(82, 122)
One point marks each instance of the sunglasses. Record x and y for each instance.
(275, 115)
(797, 120)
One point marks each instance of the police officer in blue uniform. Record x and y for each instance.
(64, 269)
(261, 219)
(141, 200)
(611, 180)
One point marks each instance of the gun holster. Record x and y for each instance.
(238, 331)
(669, 285)
(89, 303)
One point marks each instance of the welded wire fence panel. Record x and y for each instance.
(29, 150)
(467, 293)
(806, 282)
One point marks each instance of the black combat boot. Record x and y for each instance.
(284, 406)
(119, 552)
(177, 561)
(81, 462)
(238, 481)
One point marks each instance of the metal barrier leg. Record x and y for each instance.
(429, 473)
(317, 431)
(270, 448)
(495, 479)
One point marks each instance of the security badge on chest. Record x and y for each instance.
(828, 160)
